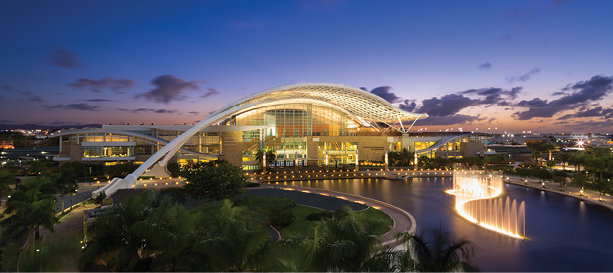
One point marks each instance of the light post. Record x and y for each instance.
(386, 162)
(357, 161)
(264, 163)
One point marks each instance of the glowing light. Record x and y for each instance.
(474, 201)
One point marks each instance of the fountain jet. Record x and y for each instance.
(477, 200)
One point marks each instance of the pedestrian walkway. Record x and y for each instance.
(403, 221)
(70, 227)
(588, 196)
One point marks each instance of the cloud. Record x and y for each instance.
(598, 111)
(446, 105)
(212, 91)
(97, 100)
(593, 89)
(193, 113)
(7, 87)
(80, 106)
(64, 58)
(406, 106)
(98, 85)
(6, 121)
(159, 111)
(384, 93)
(32, 97)
(169, 88)
(524, 77)
(494, 95)
(559, 93)
(485, 66)
(447, 120)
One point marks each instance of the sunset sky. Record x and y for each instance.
(544, 66)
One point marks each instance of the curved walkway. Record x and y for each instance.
(403, 221)
(588, 196)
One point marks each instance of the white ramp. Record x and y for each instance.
(110, 188)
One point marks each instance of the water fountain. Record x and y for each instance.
(476, 200)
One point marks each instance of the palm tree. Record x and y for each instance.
(51, 257)
(270, 157)
(65, 181)
(563, 157)
(444, 254)
(6, 179)
(406, 157)
(115, 240)
(229, 243)
(347, 244)
(31, 207)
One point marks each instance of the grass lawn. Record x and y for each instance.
(301, 225)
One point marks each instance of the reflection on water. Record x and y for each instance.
(565, 234)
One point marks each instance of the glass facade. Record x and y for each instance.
(292, 123)
(107, 151)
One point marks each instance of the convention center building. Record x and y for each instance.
(301, 123)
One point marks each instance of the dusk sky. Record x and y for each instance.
(544, 66)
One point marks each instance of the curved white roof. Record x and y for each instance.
(355, 101)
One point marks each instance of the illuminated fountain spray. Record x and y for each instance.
(476, 201)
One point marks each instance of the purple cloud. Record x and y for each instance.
(98, 85)
(80, 106)
(169, 88)
(212, 91)
(384, 93)
(159, 111)
(485, 66)
(447, 105)
(64, 58)
(524, 77)
(594, 89)
(447, 120)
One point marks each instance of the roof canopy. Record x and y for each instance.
(356, 101)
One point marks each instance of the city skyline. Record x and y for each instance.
(541, 66)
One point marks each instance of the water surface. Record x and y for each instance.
(566, 234)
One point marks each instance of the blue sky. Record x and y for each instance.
(544, 66)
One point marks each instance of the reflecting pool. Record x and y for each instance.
(565, 234)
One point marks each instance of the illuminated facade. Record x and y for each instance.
(302, 123)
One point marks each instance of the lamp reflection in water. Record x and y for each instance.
(476, 200)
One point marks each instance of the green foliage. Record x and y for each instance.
(283, 219)
(37, 167)
(49, 258)
(100, 198)
(325, 214)
(252, 184)
(402, 158)
(541, 174)
(560, 177)
(579, 180)
(30, 207)
(495, 159)
(443, 254)
(6, 179)
(174, 169)
(120, 170)
(216, 180)
(523, 172)
(266, 209)
(424, 162)
(471, 161)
